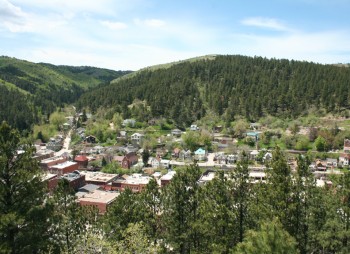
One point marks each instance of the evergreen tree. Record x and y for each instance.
(270, 238)
(69, 220)
(23, 211)
(181, 211)
(279, 189)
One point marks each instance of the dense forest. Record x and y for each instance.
(229, 86)
(285, 213)
(29, 90)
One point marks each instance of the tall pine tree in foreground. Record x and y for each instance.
(23, 212)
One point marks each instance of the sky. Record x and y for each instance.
(133, 34)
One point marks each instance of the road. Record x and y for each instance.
(66, 143)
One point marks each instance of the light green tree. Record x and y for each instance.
(270, 238)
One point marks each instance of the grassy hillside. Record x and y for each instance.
(228, 86)
(44, 87)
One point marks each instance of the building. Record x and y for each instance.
(43, 154)
(75, 179)
(127, 161)
(64, 168)
(207, 176)
(134, 182)
(51, 180)
(54, 145)
(129, 123)
(194, 127)
(98, 178)
(82, 161)
(176, 132)
(49, 162)
(166, 179)
(98, 198)
(200, 154)
(137, 138)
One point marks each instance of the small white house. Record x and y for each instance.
(194, 127)
(137, 138)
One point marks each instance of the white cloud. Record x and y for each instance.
(265, 23)
(322, 47)
(150, 22)
(114, 25)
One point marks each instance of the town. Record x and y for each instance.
(100, 171)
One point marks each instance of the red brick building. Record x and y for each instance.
(49, 162)
(64, 168)
(127, 161)
(135, 182)
(82, 161)
(75, 180)
(51, 180)
(98, 198)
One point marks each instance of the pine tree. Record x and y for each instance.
(23, 211)
(181, 211)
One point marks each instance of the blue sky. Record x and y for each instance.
(132, 34)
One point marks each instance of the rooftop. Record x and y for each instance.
(168, 176)
(99, 196)
(51, 159)
(98, 176)
(64, 164)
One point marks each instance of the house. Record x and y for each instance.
(257, 176)
(207, 176)
(254, 126)
(253, 134)
(123, 135)
(54, 145)
(344, 158)
(137, 138)
(166, 179)
(165, 163)
(127, 160)
(129, 123)
(90, 139)
(200, 154)
(267, 156)
(332, 162)
(154, 162)
(232, 158)
(217, 128)
(82, 161)
(254, 154)
(161, 151)
(194, 127)
(321, 165)
(220, 158)
(176, 132)
(185, 155)
(176, 153)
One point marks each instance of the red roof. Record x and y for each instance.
(81, 158)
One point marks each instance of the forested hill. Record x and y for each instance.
(228, 85)
(28, 90)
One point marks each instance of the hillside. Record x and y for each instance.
(28, 90)
(229, 86)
